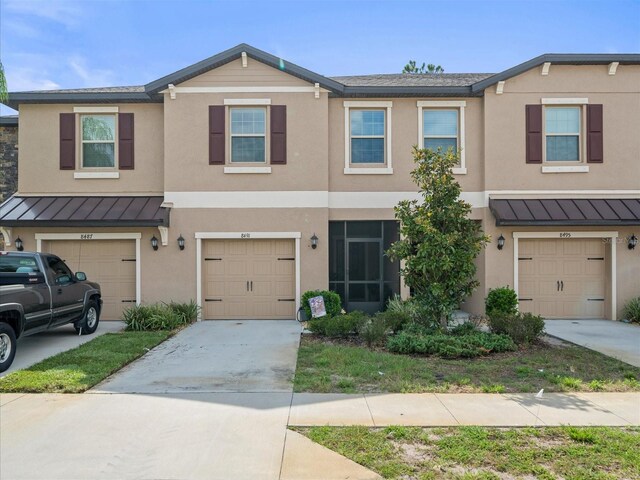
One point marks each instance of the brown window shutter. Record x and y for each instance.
(595, 149)
(534, 133)
(216, 134)
(67, 141)
(278, 126)
(125, 141)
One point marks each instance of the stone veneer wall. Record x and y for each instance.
(8, 161)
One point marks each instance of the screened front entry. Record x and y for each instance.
(359, 270)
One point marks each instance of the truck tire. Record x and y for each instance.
(89, 322)
(8, 345)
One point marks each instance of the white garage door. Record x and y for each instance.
(111, 263)
(562, 278)
(249, 279)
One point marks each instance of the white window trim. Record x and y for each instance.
(582, 138)
(247, 101)
(363, 169)
(566, 169)
(267, 127)
(114, 141)
(100, 236)
(460, 105)
(247, 169)
(95, 175)
(95, 109)
(248, 236)
(610, 235)
(564, 101)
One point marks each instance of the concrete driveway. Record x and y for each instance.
(210, 403)
(615, 339)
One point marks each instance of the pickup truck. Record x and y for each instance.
(39, 292)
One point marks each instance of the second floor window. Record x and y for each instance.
(562, 134)
(98, 141)
(367, 136)
(248, 135)
(440, 129)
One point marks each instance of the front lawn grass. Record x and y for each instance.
(487, 453)
(326, 366)
(81, 368)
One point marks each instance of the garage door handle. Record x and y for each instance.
(128, 301)
(212, 299)
(252, 285)
(558, 286)
(595, 299)
(525, 299)
(286, 299)
(128, 259)
(247, 285)
(561, 285)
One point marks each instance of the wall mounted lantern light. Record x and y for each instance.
(633, 241)
(154, 242)
(20, 245)
(181, 242)
(500, 242)
(314, 241)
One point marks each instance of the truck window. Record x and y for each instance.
(18, 264)
(61, 272)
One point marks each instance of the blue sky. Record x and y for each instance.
(63, 44)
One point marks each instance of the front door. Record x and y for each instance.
(364, 275)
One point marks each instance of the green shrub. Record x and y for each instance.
(374, 330)
(450, 346)
(503, 299)
(414, 309)
(521, 327)
(159, 316)
(332, 302)
(463, 329)
(338, 326)
(631, 310)
(394, 320)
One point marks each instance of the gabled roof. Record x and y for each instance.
(385, 85)
(233, 54)
(559, 59)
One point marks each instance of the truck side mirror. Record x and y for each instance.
(80, 276)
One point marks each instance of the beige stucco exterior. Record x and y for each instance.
(39, 173)
(172, 156)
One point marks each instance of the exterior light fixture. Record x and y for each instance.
(500, 242)
(154, 242)
(633, 241)
(20, 245)
(314, 241)
(181, 242)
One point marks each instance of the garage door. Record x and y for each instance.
(249, 279)
(560, 278)
(111, 263)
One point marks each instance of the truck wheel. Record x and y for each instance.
(89, 323)
(7, 346)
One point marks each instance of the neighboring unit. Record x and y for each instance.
(244, 180)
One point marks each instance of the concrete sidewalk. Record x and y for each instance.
(428, 410)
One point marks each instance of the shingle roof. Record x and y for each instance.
(125, 89)
(412, 79)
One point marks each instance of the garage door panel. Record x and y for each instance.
(102, 261)
(563, 277)
(255, 261)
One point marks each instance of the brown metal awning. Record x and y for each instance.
(92, 211)
(565, 211)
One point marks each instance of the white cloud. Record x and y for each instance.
(24, 78)
(90, 77)
(19, 28)
(67, 13)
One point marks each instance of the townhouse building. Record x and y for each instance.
(244, 180)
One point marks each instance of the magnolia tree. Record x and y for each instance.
(438, 242)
